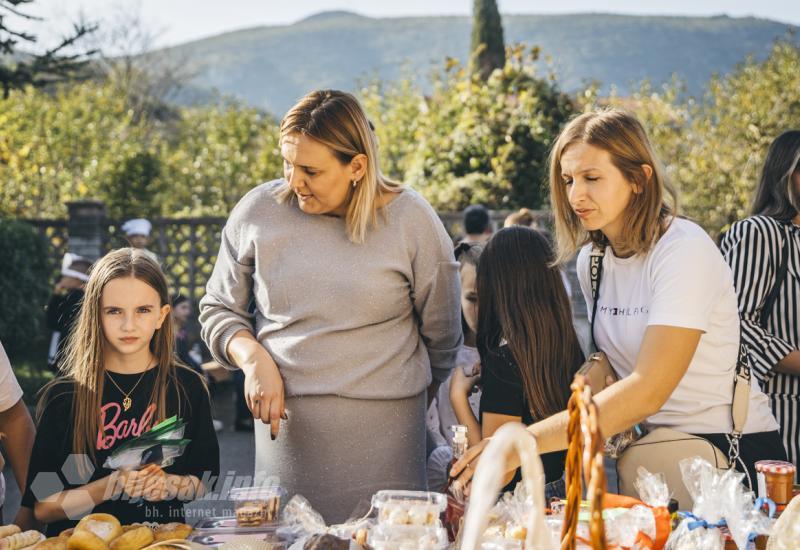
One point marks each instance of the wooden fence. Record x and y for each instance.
(187, 247)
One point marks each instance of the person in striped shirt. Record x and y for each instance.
(764, 254)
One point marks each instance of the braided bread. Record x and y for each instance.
(584, 463)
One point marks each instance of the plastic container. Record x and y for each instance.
(254, 506)
(228, 524)
(501, 544)
(407, 537)
(418, 508)
(778, 477)
(249, 541)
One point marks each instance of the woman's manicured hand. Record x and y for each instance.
(464, 469)
(263, 384)
(263, 390)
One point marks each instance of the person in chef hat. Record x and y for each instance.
(137, 233)
(65, 304)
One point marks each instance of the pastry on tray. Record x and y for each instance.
(172, 531)
(52, 543)
(133, 539)
(83, 539)
(8, 530)
(105, 526)
(20, 540)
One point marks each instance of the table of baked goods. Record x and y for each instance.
(722, 513)
(398, 520)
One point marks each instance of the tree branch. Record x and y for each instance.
(4, 6)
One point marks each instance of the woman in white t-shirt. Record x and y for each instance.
(667, 315)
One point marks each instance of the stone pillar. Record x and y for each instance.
(87, 228)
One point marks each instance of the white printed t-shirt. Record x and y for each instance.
(683, 281)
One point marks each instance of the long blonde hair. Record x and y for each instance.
(83, 366)
(649, 212)
(337, 120)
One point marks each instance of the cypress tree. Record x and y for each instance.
(488, 50)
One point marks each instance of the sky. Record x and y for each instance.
(177, 21)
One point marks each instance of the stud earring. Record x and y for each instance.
(354, 183)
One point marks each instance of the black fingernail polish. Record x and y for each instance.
(272, 436)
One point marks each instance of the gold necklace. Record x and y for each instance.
(127, 402)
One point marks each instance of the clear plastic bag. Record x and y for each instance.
(786, 531)
(720, 499)
(684, 538)
(511, 437)
(140, 455)
(624, 529)
(652, 488)
(161, 446)
(509, 518)
(301, 522)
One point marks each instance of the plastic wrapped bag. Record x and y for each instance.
(488, 480)
(301, 516)
(746, 520)
(624, 530)
(303, 524)
(720, 500)
(508, 519)
(684, 538)
(160, 446)
(786, 531)
(652, 488)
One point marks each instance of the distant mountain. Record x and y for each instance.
(271, 67)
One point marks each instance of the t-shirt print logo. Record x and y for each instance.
(624, 311)
(113, 430)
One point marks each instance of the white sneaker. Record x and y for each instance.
(218, 425)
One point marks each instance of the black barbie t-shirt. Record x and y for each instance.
(503, 393)
(53, 443)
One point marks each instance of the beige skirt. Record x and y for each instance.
(337, 451)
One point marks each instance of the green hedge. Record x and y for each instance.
(24, 287)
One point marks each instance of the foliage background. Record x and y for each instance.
(23, 295)
(128, 137)
(463, 141)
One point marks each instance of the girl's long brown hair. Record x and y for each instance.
(83, 367)
(522, 299)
